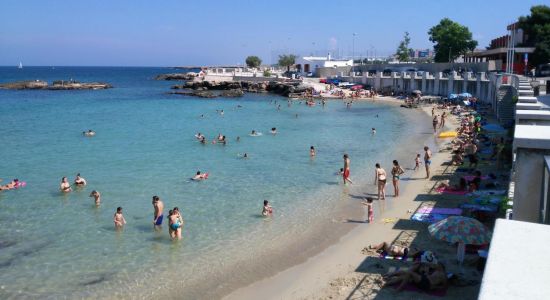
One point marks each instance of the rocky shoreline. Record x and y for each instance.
(177, 76)
(56, 85)
(208, 89)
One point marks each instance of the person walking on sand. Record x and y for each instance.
(434, 123)
(427, 160)
(442, 120)
(380, 181)
(433, 111)
(345, 174)
(158, 216)
(118, 218)
(396, 172)
(370, 210)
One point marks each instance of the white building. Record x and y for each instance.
(306, 64)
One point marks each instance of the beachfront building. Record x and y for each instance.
(510, 49)
(310, 64)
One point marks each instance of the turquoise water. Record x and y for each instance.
(56, 245)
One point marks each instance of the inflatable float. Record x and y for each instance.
(448, 134)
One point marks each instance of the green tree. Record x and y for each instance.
(403, 50)
(287, 60)
(253, 61)
(536, 28)
(451, 40)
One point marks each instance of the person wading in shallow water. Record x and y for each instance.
(380, 180)
(345, 173)
(158, 216)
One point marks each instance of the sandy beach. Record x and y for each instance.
(348, 270)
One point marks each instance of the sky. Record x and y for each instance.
(190, 33)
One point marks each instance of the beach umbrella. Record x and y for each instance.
(453, 96)
(466, 95)
(418, 92)
(461, 230)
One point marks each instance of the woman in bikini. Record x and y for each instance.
(380, 180)
(396, 171)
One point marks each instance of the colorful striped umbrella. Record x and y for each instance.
(458, 229)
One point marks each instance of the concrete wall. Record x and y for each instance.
(527, 193)
(427, 67)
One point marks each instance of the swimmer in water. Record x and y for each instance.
(97, 197)
(200, 176)
(221, 112)
(340, 173)
(88, 133)
(373, 131)
(79, 181)
(65, 187)
(118, 218)
(312, 151)
(238, 139)
(296, 116)
(267, 209)
(273, 130)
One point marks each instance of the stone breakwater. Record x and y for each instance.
(56, 85)
(209, 89)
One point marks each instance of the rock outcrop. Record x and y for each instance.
(56, 85)
(237, 88)
(177, 76)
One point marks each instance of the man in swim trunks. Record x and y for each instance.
(427, 160)
(65, 186)
(345, 174)
(158, 216)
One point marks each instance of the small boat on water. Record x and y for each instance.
(20, 65)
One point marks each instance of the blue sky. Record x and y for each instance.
(170, 33)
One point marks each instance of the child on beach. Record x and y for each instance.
(119, 218)
(267, 210)
(417, 162)
(370, 209)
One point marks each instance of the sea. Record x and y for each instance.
(62, 246)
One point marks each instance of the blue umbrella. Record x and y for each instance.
(453, 96)
(466, 95)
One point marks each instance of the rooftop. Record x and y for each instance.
(517, 266)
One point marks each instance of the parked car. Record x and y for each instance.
(543, 70)
(334, 81)
(323, 80)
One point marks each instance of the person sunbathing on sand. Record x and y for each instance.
(393, 250)
(424, 276)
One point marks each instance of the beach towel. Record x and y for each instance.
(384, 255)
(439, 210)
(389, 220)
(481, 207)
(443, 190)
(428, 218)
(488, 192)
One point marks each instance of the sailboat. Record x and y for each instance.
(20, 65)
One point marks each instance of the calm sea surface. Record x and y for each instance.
(61, 245)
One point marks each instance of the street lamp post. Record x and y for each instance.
(353, 49)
